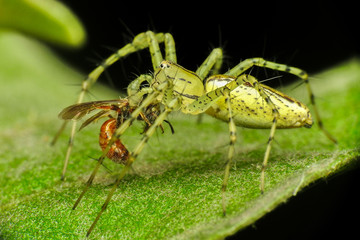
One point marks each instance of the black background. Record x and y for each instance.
(312, 35)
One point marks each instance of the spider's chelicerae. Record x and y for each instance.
(234, 97)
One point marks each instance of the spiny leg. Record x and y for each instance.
(154, 48)
(260, 62)
(268, 149)
(212, 62)
(140, 42)
(134, 86)
(133, 90)
(135, 93)
(232, 131)
(170, 51)
(202, 103)
(69, 148)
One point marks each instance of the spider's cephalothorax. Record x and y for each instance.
(234, 97)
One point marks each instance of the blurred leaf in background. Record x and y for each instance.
(48, 20)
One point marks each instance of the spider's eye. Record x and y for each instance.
(164, 65)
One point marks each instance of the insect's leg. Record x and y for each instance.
(159, 120)
(248, 63)
(212, 62)
(232, 131)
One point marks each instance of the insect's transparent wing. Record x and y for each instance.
(77, 111)
(94, 118)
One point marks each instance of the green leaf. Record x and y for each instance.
(174, 190)
(45, 19)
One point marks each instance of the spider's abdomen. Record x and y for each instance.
(251, 110)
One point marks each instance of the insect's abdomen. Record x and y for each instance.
(251, 110)
(118, 152)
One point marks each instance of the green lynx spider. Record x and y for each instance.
(234, 97)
